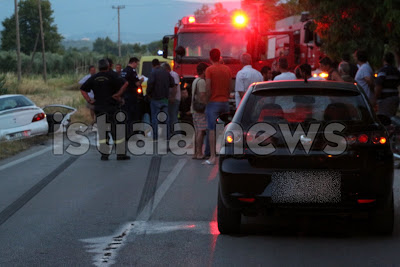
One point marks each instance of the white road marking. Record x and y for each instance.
(106, 248)
(31, 156)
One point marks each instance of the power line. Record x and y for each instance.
(119, 32)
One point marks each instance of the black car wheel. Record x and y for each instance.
(383, 220)
(228, 219)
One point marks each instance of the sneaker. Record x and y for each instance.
(123, 157)
(104, 157)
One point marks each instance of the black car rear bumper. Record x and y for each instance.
(241, 179)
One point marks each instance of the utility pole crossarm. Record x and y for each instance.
(119, 32)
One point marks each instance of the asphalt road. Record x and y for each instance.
(158, 211)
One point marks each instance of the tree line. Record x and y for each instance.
(58, 59)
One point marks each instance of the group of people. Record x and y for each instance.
(108, 91)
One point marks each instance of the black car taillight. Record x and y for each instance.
(39, 117)
(376, 138)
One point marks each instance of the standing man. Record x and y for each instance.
(199, 92)
(284, 69)
(118, 69)
(266, 73)
(131, 96)
(218, 86)
(326, 65)
(305, 72)
(174, 97)
(246, 76)
(89, 104)
(108, 89)
(365, 75)
(386, 87)
(158, 90)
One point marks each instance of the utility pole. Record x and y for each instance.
(43, 49)
(119, 33)
(18, 41)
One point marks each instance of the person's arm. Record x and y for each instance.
(208, 90)
(118, 95)
(370, 82)
(86, 96)
(172, 93)
(85, 90)
(239, 85)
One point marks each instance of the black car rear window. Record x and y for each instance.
(14, 102)
(316, 105)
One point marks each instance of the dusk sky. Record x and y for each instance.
(141, 21)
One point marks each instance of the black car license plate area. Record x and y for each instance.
(306, 187)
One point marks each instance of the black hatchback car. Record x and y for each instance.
(313, 147)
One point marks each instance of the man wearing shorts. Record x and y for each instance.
(218, 86)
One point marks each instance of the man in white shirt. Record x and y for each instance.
(284, 69)
(90, 106)
(365, 75)
(246, 76)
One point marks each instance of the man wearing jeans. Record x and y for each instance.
(158, 90)
(218, 87)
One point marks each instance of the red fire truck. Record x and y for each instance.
(294, 39)
(194, 37)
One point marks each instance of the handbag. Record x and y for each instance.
(198, 106)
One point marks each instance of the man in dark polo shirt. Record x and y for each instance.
(108, 89)
(133, 99)
(386, 87)
(158, 90)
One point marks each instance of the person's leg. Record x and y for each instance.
(199, 144)
(164, 108)
(207, 152)
(212, 114)
(173, 110)
(154, 106)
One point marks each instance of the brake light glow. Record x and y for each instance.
(248, 200)
(365, 201)
(378, 140)
(363, 139)
(229, 138)
(39, 117)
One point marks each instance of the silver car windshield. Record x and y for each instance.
(14, 102)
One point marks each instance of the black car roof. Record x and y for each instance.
(299, 84)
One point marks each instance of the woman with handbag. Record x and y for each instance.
(198, 107)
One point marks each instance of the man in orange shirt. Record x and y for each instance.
(218, 86)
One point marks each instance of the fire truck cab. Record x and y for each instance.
(194, 37)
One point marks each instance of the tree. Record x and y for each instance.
(30, 28)
(105, 46)
(205, 10)
(349, 25)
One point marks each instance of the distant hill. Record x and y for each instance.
(78, 44)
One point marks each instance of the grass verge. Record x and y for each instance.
(11, 148)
